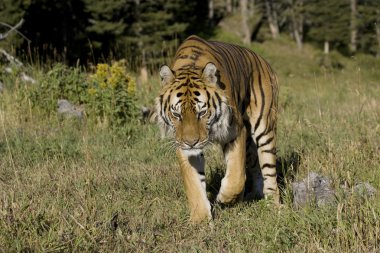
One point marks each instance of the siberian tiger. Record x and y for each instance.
(221, 93)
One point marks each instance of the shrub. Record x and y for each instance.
(112, 94)
(108, 95)
(61, 82)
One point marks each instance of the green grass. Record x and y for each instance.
(69, 187)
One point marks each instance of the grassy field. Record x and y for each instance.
(71, 187)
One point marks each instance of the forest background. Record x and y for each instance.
(146, 32)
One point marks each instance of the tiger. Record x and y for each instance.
(225, 94)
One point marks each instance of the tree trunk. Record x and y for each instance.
(272, 18)
(244, 22)
(326, 49)
(298, 39)
(229, 6)
(296, 17)
(210, 9)
(353, 26)
(377, 26)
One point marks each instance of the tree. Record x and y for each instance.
(294, 12)
(369, 26)
(154, 32)
(244, 22)
(353, 26)
(56, 30)
(11, 12)
(272, 18)
(329, 22)
(108, 22)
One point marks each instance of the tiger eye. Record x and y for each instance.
(196, 93)
(179, 94)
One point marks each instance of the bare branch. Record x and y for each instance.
(10, 58)
(12, 28)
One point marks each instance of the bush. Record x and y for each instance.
(108, 95)
(61, 82)
(112, 94)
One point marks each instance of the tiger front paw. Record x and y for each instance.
(230, 193)
(228, 198)
(200, 216)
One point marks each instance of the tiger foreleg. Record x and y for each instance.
(192, 171)
(232, 185)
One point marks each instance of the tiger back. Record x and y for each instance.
(216, 92)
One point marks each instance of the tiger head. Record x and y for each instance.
(194, 106)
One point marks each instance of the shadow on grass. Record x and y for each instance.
(286, 167)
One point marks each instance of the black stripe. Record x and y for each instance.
(267, 165)
(213, 102)
(262, 101)
(219, 98)
(270, 175)
(265, 143)
(259, 137)
(166, 103)
(271, 151)
(191, 46)
(254, 70)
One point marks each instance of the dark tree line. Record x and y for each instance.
(147, 31)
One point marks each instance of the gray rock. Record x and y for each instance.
(365, 189)
(313, 189)
(66, 109)
(317, 189)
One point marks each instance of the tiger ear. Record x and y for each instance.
(166, 75)
(209, 74)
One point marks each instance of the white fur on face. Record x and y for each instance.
(221, 131)
(192, 152)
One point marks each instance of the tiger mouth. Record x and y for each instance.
(198, 146)
(193, 151)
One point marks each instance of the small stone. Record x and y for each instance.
(365, 189)
(313, 189)
(66, 109)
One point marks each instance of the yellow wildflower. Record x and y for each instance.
(103, 85)
(117, 75)
(102, 72)
(91, 91)
(131, 85)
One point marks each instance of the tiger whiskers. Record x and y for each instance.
(168, 146)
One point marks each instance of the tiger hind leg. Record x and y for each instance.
(254, 183)
(266, 151)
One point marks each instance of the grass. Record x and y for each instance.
(69, 187)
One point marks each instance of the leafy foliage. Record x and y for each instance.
(329, 20)
(61, 82)
(107, 95)
(111, 94)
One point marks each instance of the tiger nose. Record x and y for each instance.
(192, 142)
